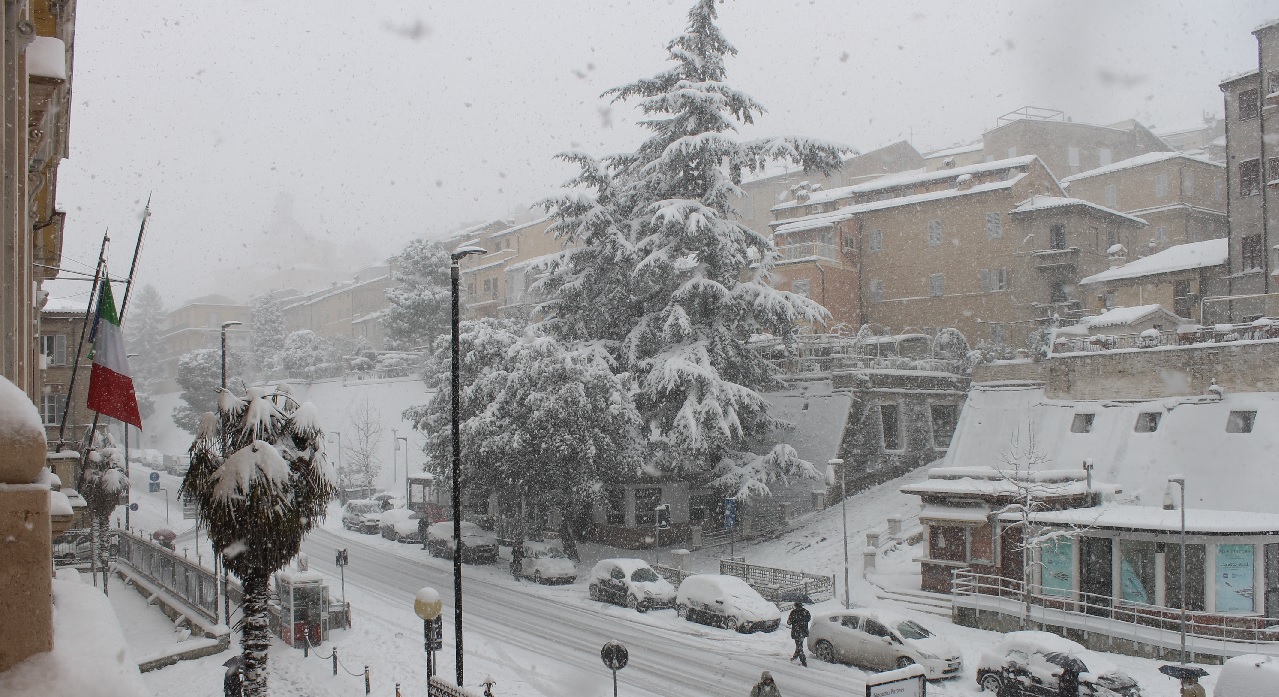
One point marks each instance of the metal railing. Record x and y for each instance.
(824, 353)
(1191, 336)
(1114, 616)
(673, 575)
(185, 579)
(780, 586)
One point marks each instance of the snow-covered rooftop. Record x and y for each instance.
(1156, 518)
(1116, 317)
(911, 178)
(956, 150)
(1138, 161)
(1253, 72)
(1223, 471)
(1039, 203)
(1194, 255)
(820, 220)
(983, 481)
(72, 304)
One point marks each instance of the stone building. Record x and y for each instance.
(1252, 172)
(1177, 278)
(1064, 146)
(198, 325)
(61, 327)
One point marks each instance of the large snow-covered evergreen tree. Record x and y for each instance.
(419, 310)
(200, 376)
(261, 480)
(305, 355)
(662, 275)
(266, 334)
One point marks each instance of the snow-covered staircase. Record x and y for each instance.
(934, 603)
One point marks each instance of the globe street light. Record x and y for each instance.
(427, 605)
(455, 275)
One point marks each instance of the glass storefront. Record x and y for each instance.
(1137, 579)
(1056, 565)
(1234, 578)
(1196, 565)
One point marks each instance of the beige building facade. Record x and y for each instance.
(1066, 147)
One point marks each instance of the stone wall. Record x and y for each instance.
(1167, 372)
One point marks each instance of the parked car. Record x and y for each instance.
(725, 601)
(546, 562)
(1033, 663)
(77, 545)
(362, 515)
(401, 525)
(881, 640)
(1247, 675)
(478, 545)
(630, 582)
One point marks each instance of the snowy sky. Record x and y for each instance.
(350, 127)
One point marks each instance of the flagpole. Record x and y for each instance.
(93, 291)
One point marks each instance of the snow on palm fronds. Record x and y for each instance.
(256, 465)
(104, 478)
(664, 276)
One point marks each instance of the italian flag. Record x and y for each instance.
(110, 384)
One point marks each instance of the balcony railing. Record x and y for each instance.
(806, 250)
(1055, 258)
(1207, 633)
(1190, 335)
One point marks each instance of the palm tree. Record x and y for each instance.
(261, 480)
(104, 481)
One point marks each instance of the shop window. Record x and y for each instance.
(1234, 576)
(891, 427)
(1271, 576)
(646, 502)
(1240, 421)
(1196, 566)
(1137, 569)
(1147, 422)
(981, 544)
(945, 417)
(1082, 423)
(1057, 565)
(615, 507)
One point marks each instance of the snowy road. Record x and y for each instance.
(558, 641)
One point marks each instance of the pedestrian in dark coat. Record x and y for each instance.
(766, 687)
(798, 622)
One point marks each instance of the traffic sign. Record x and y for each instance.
(133, 506)
(730, 513)
(153, 487)
(615, 655)
(155, 476)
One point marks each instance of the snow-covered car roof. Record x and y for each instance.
(1045, 643)
(723, 582)
(532, 547)
(628, 567)
(396, 515)
(362, 505)
(1248, 675)
(444, 531)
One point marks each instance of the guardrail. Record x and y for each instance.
(188, 581)
(1116, 617)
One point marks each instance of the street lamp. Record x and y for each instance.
(217, 557)
(831, 466)
(455, 275)
(1180, 481)
(428, 606)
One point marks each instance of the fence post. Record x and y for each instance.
(367, 687)
(335, 661)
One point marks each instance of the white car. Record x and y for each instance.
(1247, 675)
(478, 545)
(630, 582)
(362, 515)
(401, 525)
(725, 601)
(545, 562)
(1032, 663)
(881, 640)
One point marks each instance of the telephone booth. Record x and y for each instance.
(304, 606)
(426, 498)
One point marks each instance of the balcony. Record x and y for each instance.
(809, 250)
(1055, 259)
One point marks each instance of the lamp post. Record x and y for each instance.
(455, 275)
(166, 505)
(1180, 481)
(831, 465)
(428, 606)
(225, 325)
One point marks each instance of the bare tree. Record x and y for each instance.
(361, 464)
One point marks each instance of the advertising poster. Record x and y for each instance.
(1057, 567)
(1234, 578)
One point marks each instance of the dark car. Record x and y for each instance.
(478, 545)
(1037, 663)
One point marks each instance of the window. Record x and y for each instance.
(615, 507)
(1183, 304)
(1112, 238)
(1161, 185)
(1161, 235)
(1272, 82)
(998, 334)
(1272, 169)
(1234, 574)
(947, 543)
(888, 421)
(487, 285)
(646, 502)
(1109, 300)
(1057, 236)
(994, 280)
(937, 285)
(1196, 565)
(945, 416)
(1252, 252)
(802, 287)
(1147, 422)
(1250, 178)
(876, 240)
(52, 406)
(1112, 195)
(54, 347)
(994, 226)
(1240, 421)
(934, 233)
(1137, 571)
(1012, 152)
(470, 288)
(874, 628)
(876, 291)
(1103, 156)
(851, 622)
(1057, 293)
(1249, 104)
(1082, 423)
(1187, 183)
(1072, 156)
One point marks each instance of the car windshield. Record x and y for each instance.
(644, 575)
(549, 552)
(910, 630)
